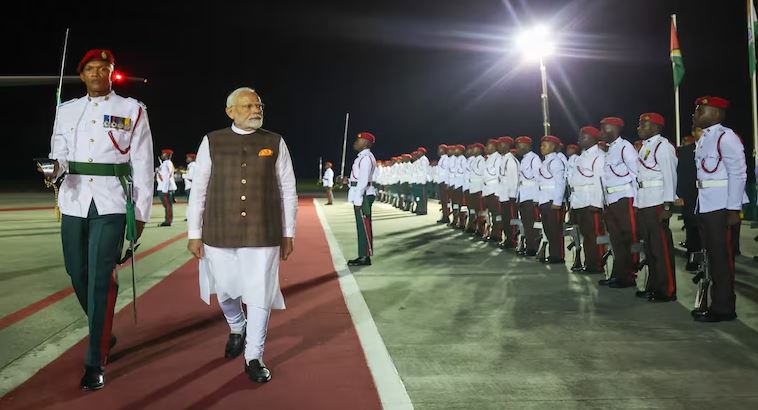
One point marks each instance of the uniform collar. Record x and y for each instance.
(711, 129)
(654, 138)
(550, 155)
(240, 131)
(105, 97)
(618, 140)
(365, 151)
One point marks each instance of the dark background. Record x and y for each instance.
(412, 72)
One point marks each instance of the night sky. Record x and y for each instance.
(412, 72)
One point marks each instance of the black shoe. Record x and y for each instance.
(93, 379)
(617, 284)
(661, 298)
(362, 261)
(590, 271)
(531, 253)
(507, 245)
(443, 221)
(165, 224)
(234, 345)
(712, 317)
(257, 371)
(605, 282)
(691, 266)
(555, 261)
(644, 294)
(577, 268)
(328, 203)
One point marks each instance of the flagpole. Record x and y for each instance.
(344, 145)
(678, 118)
(753, 92)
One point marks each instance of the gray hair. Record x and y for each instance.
(234, 94)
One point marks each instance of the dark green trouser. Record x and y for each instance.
(167, 199)
(363, 226)
(91, 248)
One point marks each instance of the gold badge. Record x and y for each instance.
(103, 55)
(265, 152)
(704, 101)
(647, 118)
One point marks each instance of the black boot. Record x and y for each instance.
(234, 345)
(257, 371)
(361, 261)
(93, 379)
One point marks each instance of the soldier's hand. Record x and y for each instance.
(733, 218)
(679, 202)
(195, 246)
(140, 228)
(288, 246)
(664, 216)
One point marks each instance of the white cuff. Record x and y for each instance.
(195, 234)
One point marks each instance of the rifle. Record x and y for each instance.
(605, 240)
(543, 241)
(521, 247)
(572, 231)
(702, 279)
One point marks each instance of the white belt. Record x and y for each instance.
(474, 180)
(582, 188)
(618, 188)
(546, 187)
(527, 183)
(712, 183)
(650, 183)
(491, 180)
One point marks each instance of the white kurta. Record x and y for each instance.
(250, 273)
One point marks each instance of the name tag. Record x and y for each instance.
(119, 123)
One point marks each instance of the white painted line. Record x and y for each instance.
(388, 383)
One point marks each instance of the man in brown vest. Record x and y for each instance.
(241, 221)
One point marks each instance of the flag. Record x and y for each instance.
(676, 55)
(751, 29)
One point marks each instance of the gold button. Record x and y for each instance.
(95, 104)
(93, 121)
(107, 97)
(244, 181)
(243, 197)
(243, 213)
(89, 160)
(91, 140)
(91, 180)
(244, 165)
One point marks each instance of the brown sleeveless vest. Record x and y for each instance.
(243, 206)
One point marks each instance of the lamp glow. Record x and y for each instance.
(535, 43)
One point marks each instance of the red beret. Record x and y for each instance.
(523, 139)
(552, 138)
(477, 145)
(574, 146)
(95, 54)
(167, 151)
(717, 102)
(409, 156)
(443, 146)
(329, 163)
(590, 130)
(613, 121)
(505, 139)
(653, 117)
(192, 155)
(492, 141)
(367, 136)
(421, 149)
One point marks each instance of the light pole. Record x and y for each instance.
(536, 44)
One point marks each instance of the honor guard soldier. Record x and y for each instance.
(328, 182)
(361, 195)
(477, 213)
(457, 175)
(489, 191)
(587, 198)
(620, 185)
(507, 191)
(656, 195)
(721, 177)
(165, 180)
(552, 183)
(421, 171)
(103, 142)
(528, 193)
(442, 179)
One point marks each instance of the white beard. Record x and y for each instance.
(252, 123)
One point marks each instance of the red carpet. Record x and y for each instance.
(173, 359)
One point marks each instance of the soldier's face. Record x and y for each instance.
(523, 148)
(705, 116)
(647, 129)
(189, 159)
(610, 132)
(360, 144)
(586, 140)
(96, 75)
(570, 151)
(247, 111)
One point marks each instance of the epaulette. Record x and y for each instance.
(140, 103)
